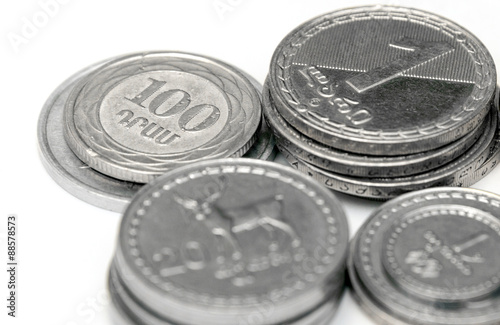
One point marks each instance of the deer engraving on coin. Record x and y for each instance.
(226, 225)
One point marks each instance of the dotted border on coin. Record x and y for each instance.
(273, 296)
(483, 85)
(391, 295)
(398, 227)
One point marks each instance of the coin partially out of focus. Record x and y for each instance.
(230, 241)
(430, 257)
(89, 185)
(143, 114)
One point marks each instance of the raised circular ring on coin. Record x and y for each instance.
(218, 241)
(430, 257)
(382, 80)
(143, 114)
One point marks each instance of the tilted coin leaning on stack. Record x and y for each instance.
(118, 124)
(378, 101)
(430, 257)
(230, 241)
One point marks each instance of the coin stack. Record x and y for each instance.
(430, 257)
(118, 124)
(379, 101)
(230, 241)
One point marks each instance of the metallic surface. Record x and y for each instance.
(67, 169)
(216, 241)
(382, 80)
(128, 311)
(475, 164)
(84, 182)
(264, 147)
(143, 114)
(430, 257)
(352, 164)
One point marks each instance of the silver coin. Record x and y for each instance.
(216, 241)
(128, 311)
(382, 80)
(264, 147)
(65, 167)
(352, 164)
(84, 182)
(143, 114)
(430, 257)
(466, 170)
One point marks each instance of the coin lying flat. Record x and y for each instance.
(143, 114)
(464, 171)
(382, 80)
(84, 182)
(217, 241)
(430, 257)
(65, 167)
(351, 164)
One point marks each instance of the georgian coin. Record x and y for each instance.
(351, 164)
(466, 170)
(215, 242)
(430, 257)
(143, 114)
(382, 80)
(128, 311)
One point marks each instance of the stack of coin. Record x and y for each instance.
(430, 257)
(378, 101)
(230, 241)
(118, 124)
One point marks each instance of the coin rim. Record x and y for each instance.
(310, 296)
(380, 144)
(135, 173)
(381, 311)
(352, 164)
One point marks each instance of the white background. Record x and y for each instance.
(65, 245)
